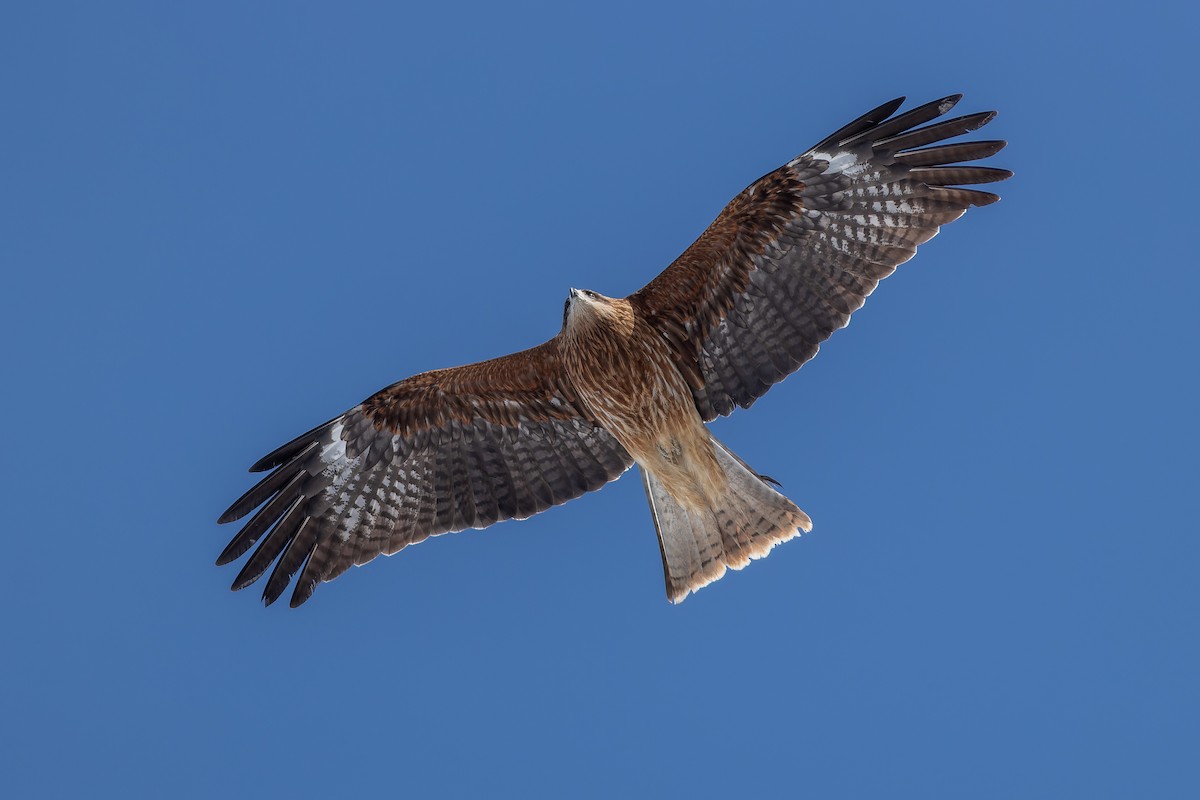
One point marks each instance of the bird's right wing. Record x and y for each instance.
(797, 252)
(441, 451)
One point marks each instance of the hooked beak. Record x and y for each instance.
(574, 292)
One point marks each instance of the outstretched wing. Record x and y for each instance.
(797, 252)
(442, 451)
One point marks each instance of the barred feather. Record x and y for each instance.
(797, 252)
(439, 452)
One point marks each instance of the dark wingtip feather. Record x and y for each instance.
(267, 487)
(285, 512)
(299, 599)
(865, 122)
(298, 552)
(283, 454)
(951, 153)
(965, 197)
(230, 515)
(242, 580)
(956, 176)
(306, 584)
(936, 132)
(233, 551)
(274, 512)
(903, 122)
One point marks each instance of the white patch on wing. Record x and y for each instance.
(340, 471)
(844, 162)
(335, 450)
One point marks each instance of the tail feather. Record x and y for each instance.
(698, 545)
(691, 547)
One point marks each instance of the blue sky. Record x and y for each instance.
(225, 223)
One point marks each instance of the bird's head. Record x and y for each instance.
(581, 304)
(585, 308)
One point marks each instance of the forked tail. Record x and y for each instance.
(698, 545)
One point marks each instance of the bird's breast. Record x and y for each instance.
(628, 382)
(631, 386)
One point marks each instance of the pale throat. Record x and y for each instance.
(614, 316)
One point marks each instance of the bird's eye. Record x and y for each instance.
(590, 293)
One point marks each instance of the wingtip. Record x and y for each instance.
(248, 575)
(949, 101)
(300, 595)
(890, 107)
(984, 118)
(274, 589)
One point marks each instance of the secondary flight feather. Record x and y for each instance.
(628, 380)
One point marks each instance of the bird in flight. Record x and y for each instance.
(628, 380)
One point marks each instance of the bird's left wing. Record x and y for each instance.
(797, 252)
(439, 452)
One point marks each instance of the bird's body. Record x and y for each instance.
(628, 380)
(710, 512)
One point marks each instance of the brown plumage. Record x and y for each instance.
(628, 380)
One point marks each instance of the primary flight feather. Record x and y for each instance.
(628, 380)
